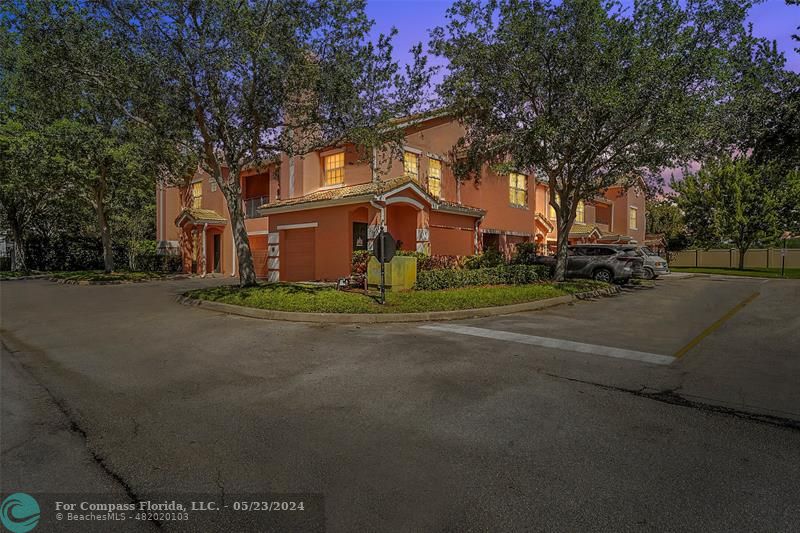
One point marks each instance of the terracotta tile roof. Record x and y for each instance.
(195, 215)
(583, 229)
(544, 220)
(332, 193)
(452, 206)
(368, 191)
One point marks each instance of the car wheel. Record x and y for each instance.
(603, 274)
(649, 273)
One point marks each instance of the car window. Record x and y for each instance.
(603, 251)
(575, 251)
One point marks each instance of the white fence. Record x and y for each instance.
(754, 258)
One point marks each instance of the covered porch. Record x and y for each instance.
(313, 238)
(201, 240)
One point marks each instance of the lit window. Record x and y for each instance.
(411, 164)
(632, 218)
(334, 168)
(518, 189)
(197, 194)
(579, 213)
(435, 178)
(552, 210)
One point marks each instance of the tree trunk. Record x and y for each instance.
(742, 251)
(131, 256)
(20, 258)
(232, 191)
(105, 230)
(562, 242)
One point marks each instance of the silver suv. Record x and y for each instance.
(653, 264)
(601, 262)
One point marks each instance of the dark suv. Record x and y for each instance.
(601, 262)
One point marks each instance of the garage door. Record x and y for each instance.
(297, 255)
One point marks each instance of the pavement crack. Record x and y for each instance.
(74, 425)
(670, 396)
(221, 486)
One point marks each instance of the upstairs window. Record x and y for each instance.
(435, 178)
(580, 215)
(551, 210)
(197, 195)
(632, 224)
(411, 165)
(518, 189)
(334, 168)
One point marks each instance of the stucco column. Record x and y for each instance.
(375, 219)
(203, 262)
(423, 232)
(233, 255)
(504, 246)
(273, 257)
(477, 241)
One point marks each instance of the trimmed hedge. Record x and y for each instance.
(499, 275)
(434, 262)
(153, 262)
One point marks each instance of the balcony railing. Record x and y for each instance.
(251, 206)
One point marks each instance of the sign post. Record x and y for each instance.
(384, 249)
(783, 259)
(786, 236)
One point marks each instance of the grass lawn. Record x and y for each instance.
(99, 275)
(792, 273)
(310, 298)
(14, 274)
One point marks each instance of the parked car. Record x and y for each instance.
(653, 265)
(609, 263)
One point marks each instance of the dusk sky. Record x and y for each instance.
(772, 19)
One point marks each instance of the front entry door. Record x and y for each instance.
(359, 236)
(217, 249)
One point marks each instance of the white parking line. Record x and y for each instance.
(606, 351)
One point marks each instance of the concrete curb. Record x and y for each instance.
(110, 282)
(382, 318)
(688, 275)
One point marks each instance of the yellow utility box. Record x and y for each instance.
(400, 273)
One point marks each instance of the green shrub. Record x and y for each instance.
(153, 262)
(542, 271)
(525, 254)
(488, 259)
(434, 262)
(498, 275)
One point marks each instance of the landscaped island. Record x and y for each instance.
(309, 298)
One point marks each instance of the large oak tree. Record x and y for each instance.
(585, 93)
(88, 147)
(261, 77)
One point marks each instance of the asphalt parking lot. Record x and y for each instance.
(535, 421)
